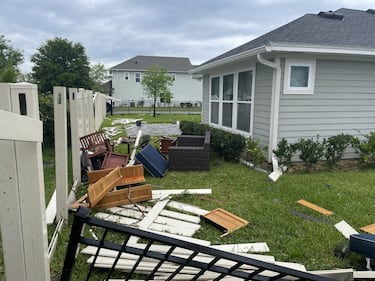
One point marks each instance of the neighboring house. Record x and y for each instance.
(312, 76)
(127, 76)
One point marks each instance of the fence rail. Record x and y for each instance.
(147, 106)
(166, 258)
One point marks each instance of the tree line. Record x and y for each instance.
(57, 61)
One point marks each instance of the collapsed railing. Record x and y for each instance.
(166, 258)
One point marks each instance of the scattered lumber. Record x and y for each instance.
(125, 196)
(224, 220)
(369, 228)
(314, 207)
(98, 190)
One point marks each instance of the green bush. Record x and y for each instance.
(255, 153)
(310, 151)
(225, 144)
(46, 116)
(335, 147)
(365, 148)
(284, 152)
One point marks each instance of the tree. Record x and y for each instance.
(155, 82)
(98, 75)
(60, 62)
(10, 58)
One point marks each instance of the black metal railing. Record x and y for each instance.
(165, 258)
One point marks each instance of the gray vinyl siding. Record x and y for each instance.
(343, 102)
(206, 99)
(262, 103)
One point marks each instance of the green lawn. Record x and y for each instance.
(268, 206)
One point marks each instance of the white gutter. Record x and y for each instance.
(318, 49)
(275, 105)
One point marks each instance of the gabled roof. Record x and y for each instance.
(141, 63)
(342, 28)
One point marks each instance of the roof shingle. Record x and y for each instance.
(356, 29)
(141, 63)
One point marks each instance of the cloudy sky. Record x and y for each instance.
(113, 31)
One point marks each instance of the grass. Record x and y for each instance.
(267, 205)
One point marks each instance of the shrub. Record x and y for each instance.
(335, 147)
(365, 148)
(225, 144)
(255, 153)
(284, 153)
(46, 116)
(310, 151)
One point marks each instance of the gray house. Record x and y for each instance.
(312, 76)
(127, 76)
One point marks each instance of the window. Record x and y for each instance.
(299, 76)
(244, 97)
(228, 87)
(231, 97)
(227, 113)
(137, 77)
(215, 90)
(126, 76)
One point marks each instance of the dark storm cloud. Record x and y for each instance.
(115, 30)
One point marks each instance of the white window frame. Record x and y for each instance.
(234, 101)
(215, 100)
(135, 77)
(126, 76)
(309, 90)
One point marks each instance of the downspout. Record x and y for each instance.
(274, 122)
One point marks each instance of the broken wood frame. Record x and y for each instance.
(214, 266)
(224, 220)
(130, 175)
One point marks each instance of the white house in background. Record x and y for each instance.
(127, 76)
(312, 76)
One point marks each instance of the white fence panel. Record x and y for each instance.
(22, 204)
(61, 151)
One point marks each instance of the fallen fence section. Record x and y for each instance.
(165, 263)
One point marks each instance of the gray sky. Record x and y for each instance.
(113, 31)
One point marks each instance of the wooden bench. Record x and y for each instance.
(95, 144)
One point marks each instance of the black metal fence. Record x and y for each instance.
(165, 258)
(172, 107)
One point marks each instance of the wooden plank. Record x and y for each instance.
(167, 192)
(98, 190)
(314, 207)
(187, 208)
(346, 274)
(369, 228)
(130, 175)
(258, 247)
(176, 222)
(345, 229)
(364, 274)
(116, 219)
(225, 220)
(125, 196)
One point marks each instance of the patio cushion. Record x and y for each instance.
(363, 244)
(153, 161)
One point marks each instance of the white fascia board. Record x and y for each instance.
(231, 59)
(320, 49)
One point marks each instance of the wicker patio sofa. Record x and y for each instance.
(190, 153)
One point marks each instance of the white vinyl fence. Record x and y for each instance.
(23, 214)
